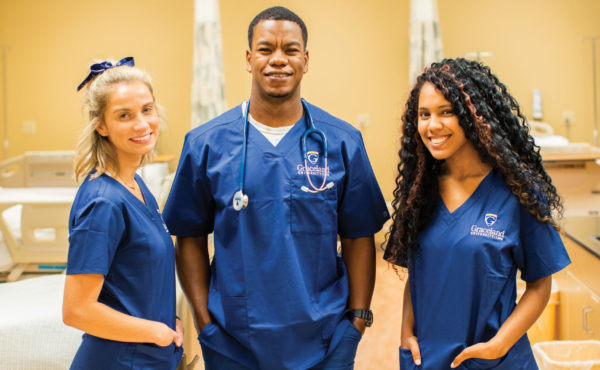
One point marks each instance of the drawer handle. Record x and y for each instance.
(584, 319)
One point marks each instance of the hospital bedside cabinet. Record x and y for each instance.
(579, 310)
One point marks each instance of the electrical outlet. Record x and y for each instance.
(363, 120)
(29, 127)
(568, 117)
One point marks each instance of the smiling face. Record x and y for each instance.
(439, 127)
(130, 121)
(277, 60)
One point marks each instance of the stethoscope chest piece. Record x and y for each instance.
(240, 200)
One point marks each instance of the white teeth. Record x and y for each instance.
(143, 138)
(439, 139)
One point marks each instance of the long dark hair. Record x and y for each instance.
(493, 124)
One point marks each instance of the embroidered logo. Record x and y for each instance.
(490, 219)
(313, 157)
(488, 232)
(313, 166)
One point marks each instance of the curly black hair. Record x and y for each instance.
(493, 124)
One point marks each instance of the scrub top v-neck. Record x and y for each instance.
(278, 288)
(113, 233)
(463, 277)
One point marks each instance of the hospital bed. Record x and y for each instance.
(32, 334)
(36, 193)
(40, 241)
(38, 169)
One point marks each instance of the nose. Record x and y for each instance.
(435, 122)
(278, 57)
(141, 123)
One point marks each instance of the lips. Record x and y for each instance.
(439, 140)
(278, 74)
(142, 139)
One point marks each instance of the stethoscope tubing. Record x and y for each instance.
(240, 200)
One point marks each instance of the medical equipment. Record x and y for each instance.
(43, 240)
(240, 200)
(47, 169)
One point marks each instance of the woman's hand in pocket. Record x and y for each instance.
(484, 350)
(411, 343)
(179, 331)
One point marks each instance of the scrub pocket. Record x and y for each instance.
(479, 363)
(151, 356)
(406, 360)
(313, 213)
(343, 355)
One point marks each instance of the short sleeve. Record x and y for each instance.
(189, 210)
(96, 230)
(542, 252)
(362, 211)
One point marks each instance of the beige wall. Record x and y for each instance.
(52, 43)
(358, 64)
(358, 59)
(536, 44)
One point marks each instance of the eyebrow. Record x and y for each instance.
(118, 109)
(268, 43)
(439, 106)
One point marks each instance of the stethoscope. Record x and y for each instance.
(240, 200)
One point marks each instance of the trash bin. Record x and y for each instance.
(568, 355)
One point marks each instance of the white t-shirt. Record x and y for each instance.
(273, 134)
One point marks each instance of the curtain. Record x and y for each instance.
(425, 38)
(208, 92)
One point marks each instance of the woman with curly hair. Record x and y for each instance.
(473, 204)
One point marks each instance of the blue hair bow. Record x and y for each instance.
(98, 68)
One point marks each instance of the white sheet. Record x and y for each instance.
(32, 334)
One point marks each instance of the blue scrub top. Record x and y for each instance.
(278, 287)
(463, 279)
(113, 233)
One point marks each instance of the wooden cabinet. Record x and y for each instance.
(579, 308)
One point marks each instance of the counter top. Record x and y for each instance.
(585, 230)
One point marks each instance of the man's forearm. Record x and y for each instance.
(359, 257)
(193, 269)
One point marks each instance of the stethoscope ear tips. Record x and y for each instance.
(307, 190)
(240, 200)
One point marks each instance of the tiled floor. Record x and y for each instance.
(379, 347)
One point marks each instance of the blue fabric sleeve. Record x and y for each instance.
(189, 210)
(96, 232)
(542, 252)
(362, 210)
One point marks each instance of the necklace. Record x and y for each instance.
(132, 187)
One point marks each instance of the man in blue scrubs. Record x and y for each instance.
(277, 294)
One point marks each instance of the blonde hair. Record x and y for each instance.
(93, 151)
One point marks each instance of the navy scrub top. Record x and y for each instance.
(113, 233)
(463, 279)
(278, 287)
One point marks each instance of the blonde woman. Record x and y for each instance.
(120, 285)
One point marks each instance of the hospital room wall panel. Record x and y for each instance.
(358, 51)
(536, 44)
(52, 43)
(358, 64)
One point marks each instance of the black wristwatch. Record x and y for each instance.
(366, 315)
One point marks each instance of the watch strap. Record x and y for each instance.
(366, 315)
